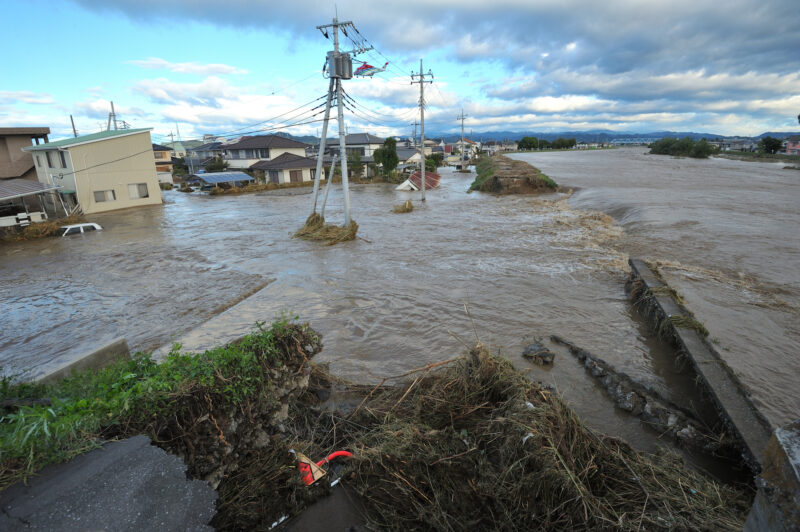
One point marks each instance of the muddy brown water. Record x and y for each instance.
(203, 270)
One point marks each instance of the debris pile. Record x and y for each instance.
(465, 444)
(315, 228)
(404, 208)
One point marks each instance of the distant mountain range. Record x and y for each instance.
(598, 135)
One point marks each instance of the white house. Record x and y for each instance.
(249, 150)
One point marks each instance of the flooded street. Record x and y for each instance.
(203, 270)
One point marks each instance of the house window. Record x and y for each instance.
(250, 154)
(263, 154)
(63, 159)
(296, 176)
(159, 154)
(273, 176)
(49, 160)
(104, 195)
(138, 190)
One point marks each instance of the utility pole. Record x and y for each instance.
(114, 116)
(415, 124)
(462, 118)
(420, 78)
(340, 67)
(74, 132)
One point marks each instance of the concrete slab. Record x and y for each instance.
(732, 401)
(129, 485)
(99, 358)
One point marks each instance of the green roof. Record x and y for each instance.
(83, 139)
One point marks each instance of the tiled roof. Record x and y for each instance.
(265, 141)
(355, 139)
(284, 162)
(83, 139)
(159, 147)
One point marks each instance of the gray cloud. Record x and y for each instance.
(624, 61)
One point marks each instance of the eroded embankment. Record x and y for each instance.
(503, 175)
(469, 443)
(663, 308)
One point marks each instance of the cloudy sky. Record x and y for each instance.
(203, 66)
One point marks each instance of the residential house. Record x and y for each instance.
(15, 163)
(196, 158)
(163, 157)
(793, 145)
(249, 150)
(362, 144)
(286, 168)
(100, 172)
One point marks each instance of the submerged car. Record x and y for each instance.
(80, 228)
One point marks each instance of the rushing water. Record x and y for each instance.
(727, 237)
(394, 299)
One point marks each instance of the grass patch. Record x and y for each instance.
(138, 396)
(404, 208)
(501, 174)
(485, 168)
(315, 228)
(41, 229)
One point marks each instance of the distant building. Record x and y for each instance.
(163, 157)
(100, 172)
(793, 145)
(361, 144)
(15, 163)
(249, 150)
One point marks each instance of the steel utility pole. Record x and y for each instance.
(114, 116)
(420, 78)
(462, 118)
(414, 141)
(321, 153)
(340, 67)
(74, 132)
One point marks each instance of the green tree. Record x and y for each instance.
(218, 164)
(528, 143)
(770, 145)
(386, 155)
(701, 149)
(430, 165)
(354, 164)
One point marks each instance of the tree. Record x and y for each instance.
(354, 163)
(430, 164)
(701, 149)
(770, 145)
(528, 143)
(179, 168)
(386, 156)
(218, 164)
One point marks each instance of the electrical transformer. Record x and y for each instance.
(340, 65)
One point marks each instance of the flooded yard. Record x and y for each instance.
(203, 270)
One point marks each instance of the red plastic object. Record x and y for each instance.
(334, 455)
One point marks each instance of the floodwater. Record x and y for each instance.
(203, 270)
(726, 235)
